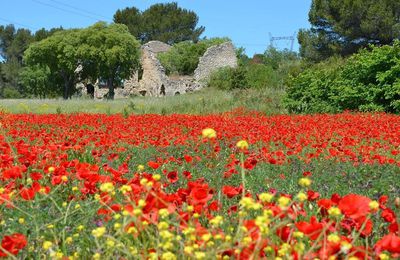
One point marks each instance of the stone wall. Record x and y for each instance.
(218, 56)
(155, 82)
(157, 46)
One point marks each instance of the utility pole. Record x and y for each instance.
(273, 39)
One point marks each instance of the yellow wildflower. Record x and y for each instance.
(209, 133)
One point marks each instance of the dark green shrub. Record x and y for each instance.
(370, 81)
(261, 76)
(309, 92)
(229, 78)
(256, 76)
(10, 92)
(183, 57)
(367, 81)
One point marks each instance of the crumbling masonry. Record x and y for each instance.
(155, 82)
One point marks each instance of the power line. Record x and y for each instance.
(251, 44)
(80, 9)
(20, 24)
(65, 10)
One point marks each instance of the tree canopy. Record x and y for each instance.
(13, 43)
(167, 22)
(342, 27)
(105, 51)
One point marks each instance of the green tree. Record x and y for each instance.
(43, 33)
(7, 35)
(105, 51)
(183, 57)
(343, 27)
(37, 81)
(112, 50)
(276, 58)
(13, 43)
(167, 22)
(131, 17)
(59, 53)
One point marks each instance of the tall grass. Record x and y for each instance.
(206, 101)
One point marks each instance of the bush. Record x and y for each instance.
(256, 76)
(229, 78)
(183, 57)
(367, 81)
(10, 92)
(260, 76)
(309, 92)
(370, 81)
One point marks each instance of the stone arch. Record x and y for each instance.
(177, 93)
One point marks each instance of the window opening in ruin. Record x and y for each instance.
(162, 91)
(90, 89)
(140, 73)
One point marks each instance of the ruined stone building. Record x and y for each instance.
(153, 80)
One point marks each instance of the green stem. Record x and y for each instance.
(242, 170)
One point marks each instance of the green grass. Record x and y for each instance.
(206, 101)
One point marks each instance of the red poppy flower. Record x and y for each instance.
(231, 191)
(312, 229)
(27, 193)
(214, 206)
(200, 194)
(284, 233)
(188, 158)
(187, 174)
(13, 244)
(388, 215)
(12, 173)
(393, 227)
(153, 165)
(354, 206)
(390, 243)
(312, 195)
(324, 205)
(173, 177)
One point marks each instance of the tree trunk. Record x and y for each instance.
(66, 88)
(110, 83)
(66, 84)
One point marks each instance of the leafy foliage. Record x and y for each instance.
(37, 81)
(59, 54)
(276, 58)
(167, 22)
(13, 43)
(229, 78)
(343, 27)
(107, 51)
(268, 70)
(132, 18)
(183, 57)
(367, 81)
(309, 91)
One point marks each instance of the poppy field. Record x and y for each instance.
(235, 185)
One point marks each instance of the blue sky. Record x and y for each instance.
(248, 23)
